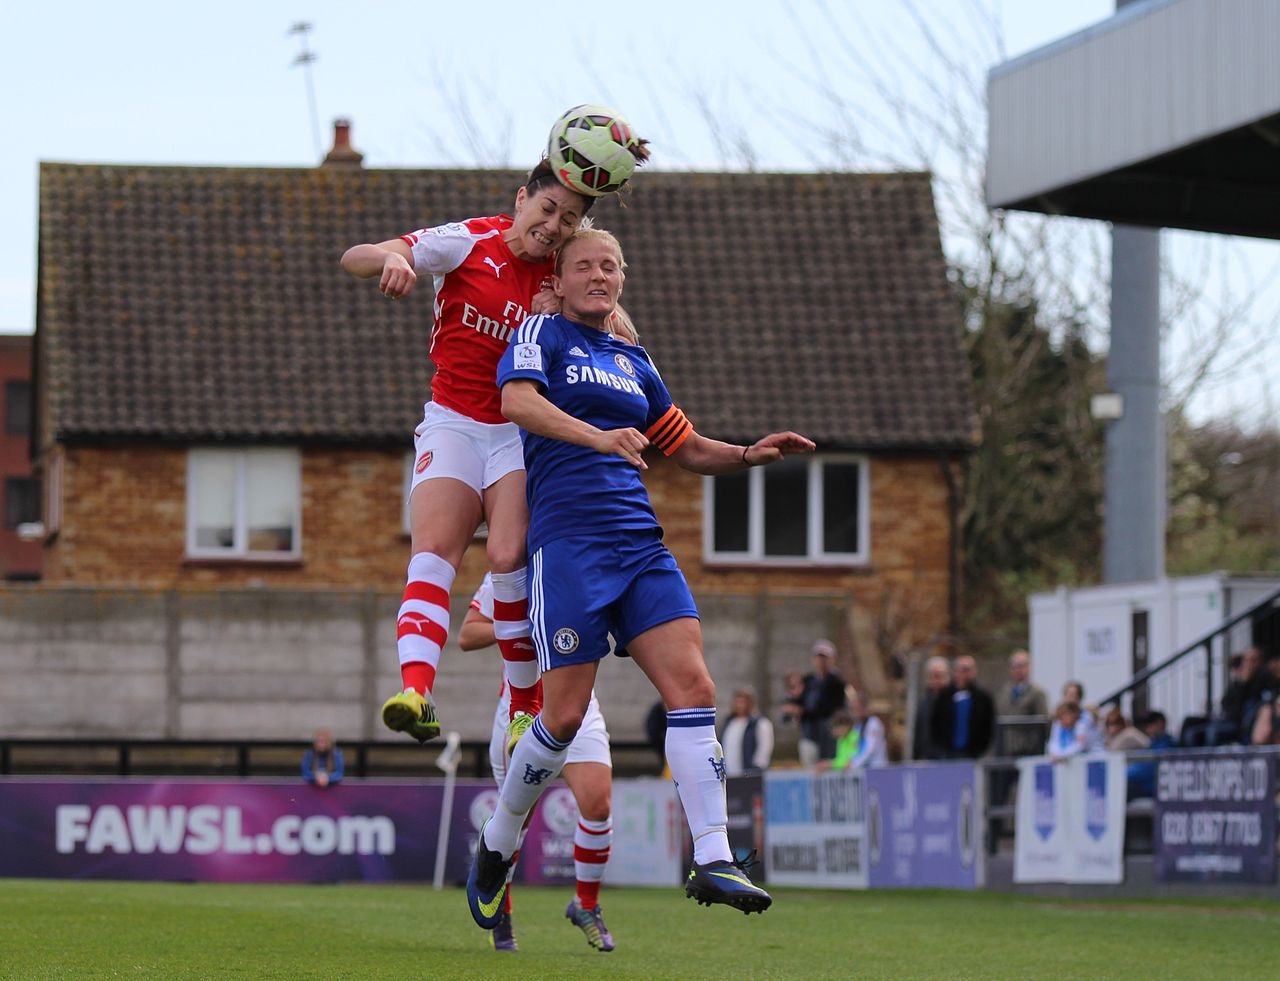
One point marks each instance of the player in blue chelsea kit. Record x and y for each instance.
(588, 406)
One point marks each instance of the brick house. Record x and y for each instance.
(19, 557)
(218, 404)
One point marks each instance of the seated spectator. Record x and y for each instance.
(747, 737)
(1264, 726)
(1073, 691)
(1245, 689)
(1068, 735)
(322, 763)
(1119, 735)
(1266, 723)
(1142, 774)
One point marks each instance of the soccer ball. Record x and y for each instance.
(592, 150)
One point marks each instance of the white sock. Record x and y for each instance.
(537, 761)
(511, 629)
(697, 767)
(422, 625)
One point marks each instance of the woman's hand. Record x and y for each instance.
(775, 446)
(626, 443)
(545, 302)
(398, 277)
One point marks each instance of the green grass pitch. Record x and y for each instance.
(154, 930)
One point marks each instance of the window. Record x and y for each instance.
(17, 408)
(21, 501)
(804, 510)
(244, 503)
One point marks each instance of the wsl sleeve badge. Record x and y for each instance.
(528, 357)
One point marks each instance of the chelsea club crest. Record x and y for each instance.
(565, 640)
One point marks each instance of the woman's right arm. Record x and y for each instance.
(477, 632)
(525, 405)
(391, 261)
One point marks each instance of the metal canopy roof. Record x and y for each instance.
(1167, 114)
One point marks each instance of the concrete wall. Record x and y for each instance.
(274, 664)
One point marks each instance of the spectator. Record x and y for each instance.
(846, 736)
(1265, 725)
(1073, 691)
(1019, 696)
(1142, 775)
(963, 718)
(322, 763)
(655, 728)
(1067, 736)
(1119, 735)
(822, 695)
(937, 676)
(747, 737)
(1244, 690)
(873, 748)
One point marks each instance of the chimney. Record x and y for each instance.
(343, 153)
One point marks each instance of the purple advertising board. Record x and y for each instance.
(923, 826)
(259, 831)
(1215, 818)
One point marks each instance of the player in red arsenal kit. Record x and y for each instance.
(489, 275)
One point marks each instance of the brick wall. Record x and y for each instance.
(124, 514)
(907, 576)
(124, 521)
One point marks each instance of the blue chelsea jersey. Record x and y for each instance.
(598, 379)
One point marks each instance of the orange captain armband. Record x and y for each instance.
(670, 431)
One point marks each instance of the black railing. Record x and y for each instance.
(255, 757)
(1205, 644)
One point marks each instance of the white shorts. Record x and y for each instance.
(449, 444)
(590, 745)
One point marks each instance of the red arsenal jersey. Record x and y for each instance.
(482, 295)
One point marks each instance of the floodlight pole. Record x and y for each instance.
(1137, 493)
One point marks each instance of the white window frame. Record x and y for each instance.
(240, 550)
(754, 555)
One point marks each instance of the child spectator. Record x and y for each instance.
(322, 763)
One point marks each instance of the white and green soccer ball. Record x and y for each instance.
(592, 150)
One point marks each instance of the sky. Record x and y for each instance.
(165, 83)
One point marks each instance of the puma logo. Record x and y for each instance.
(497, 269)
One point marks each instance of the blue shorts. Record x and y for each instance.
(583, 589)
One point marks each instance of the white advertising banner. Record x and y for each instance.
(1070, 825)
(816, 829)
(648, 834)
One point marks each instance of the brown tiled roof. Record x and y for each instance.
(203, 303)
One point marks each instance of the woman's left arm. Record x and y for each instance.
(710, 456)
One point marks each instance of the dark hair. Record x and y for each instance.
(542, 176)
(1153, 716)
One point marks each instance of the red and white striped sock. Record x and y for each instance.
(591, 844)
(511, 628)
(423, 624)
